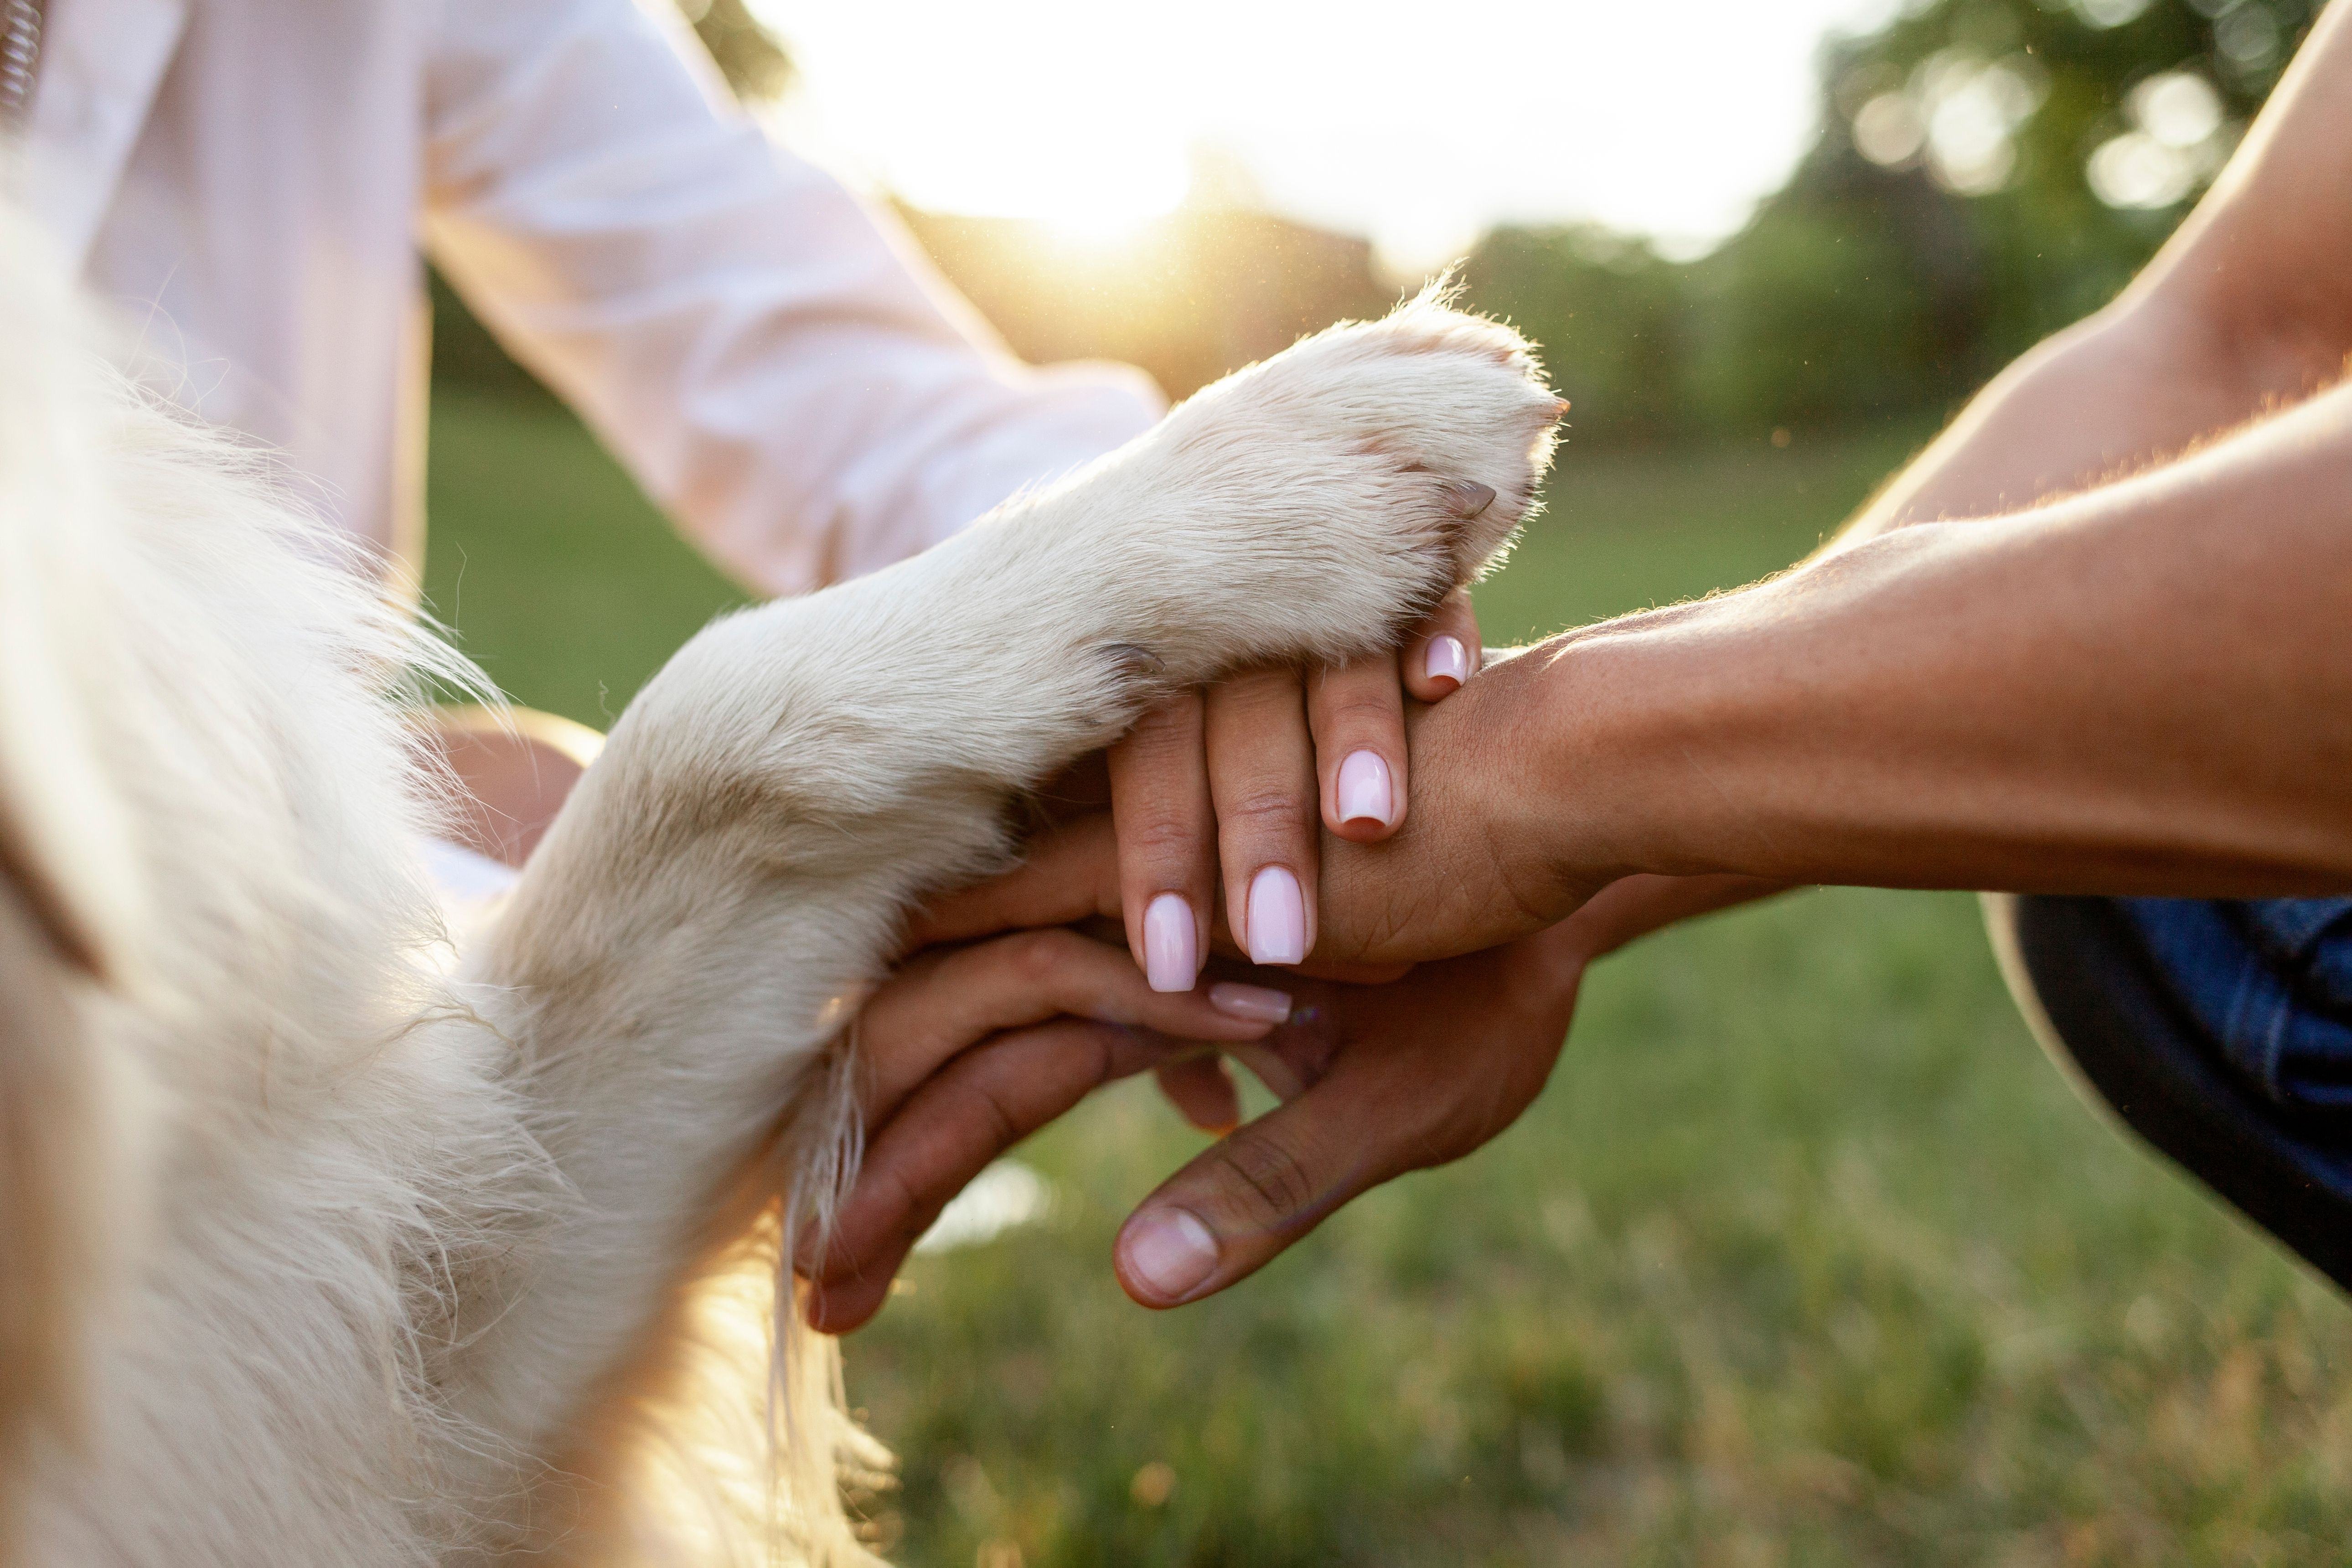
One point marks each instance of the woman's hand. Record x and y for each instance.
(1228, 787)
(1475, 865)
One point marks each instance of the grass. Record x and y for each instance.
(1805, 1257)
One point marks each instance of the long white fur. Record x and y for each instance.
(333, 1255)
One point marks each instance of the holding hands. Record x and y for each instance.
(2100, 685)
(1230, 787)
(972, 1048)
(987, 1036)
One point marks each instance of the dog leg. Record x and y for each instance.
(704, 915)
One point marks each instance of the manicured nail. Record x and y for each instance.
(1278, 918)
(1446, 659)
(1364, 792)
(1255, 1003)
(1171, 944)
(1171, 1251)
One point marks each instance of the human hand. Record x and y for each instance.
(1226, 787)
(1380, 1081)
(1384, 1080)
(1475, 865)
(966, 1051)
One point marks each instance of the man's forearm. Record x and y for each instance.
(2111, 396)
(2247, 306)
(2148, 688)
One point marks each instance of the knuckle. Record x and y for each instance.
(1037, 957)
(902, 1209)
(1000, 1120)
(1265, 812)
(1166, 728)
(1163, 839)
(1359, 709)
(1269, 1179)
(989, 1120)
(1356, 672)
(1258, 699)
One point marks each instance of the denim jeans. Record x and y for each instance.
(2218, 1031)
(2269, 981)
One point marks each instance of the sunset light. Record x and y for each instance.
(1414, 127)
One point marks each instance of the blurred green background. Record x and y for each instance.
(1806, 1254)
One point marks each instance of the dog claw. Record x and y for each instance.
(1470, 498)
(1134, 661)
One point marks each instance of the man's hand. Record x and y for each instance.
(1380, 1080)
(1386, 1080)
(1389, 1079)
(967, 1051)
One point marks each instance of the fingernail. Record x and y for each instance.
(1278, 918)
(1171, 944)
(1258, 1003)
(1446, 659)
(1364, 792)
(1171, 1251)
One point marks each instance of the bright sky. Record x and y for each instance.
(1417, 125)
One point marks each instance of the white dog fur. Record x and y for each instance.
(322, 1246)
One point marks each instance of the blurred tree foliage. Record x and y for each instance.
(1987, 172)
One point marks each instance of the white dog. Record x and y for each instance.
(319, 1245)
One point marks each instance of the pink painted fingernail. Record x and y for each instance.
(1255, 1003)
(1364, 791)
(1171, 944)
(1446, 659)
(1278, 918)
(1171, 1251)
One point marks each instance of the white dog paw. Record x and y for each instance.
(1317, 503)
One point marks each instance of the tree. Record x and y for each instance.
(1988, 171)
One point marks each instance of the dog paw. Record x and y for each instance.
(1315, 504)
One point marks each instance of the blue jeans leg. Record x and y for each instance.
(2098, 993)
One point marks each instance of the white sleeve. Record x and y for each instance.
(774, 362)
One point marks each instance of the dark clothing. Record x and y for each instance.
(2221, 1031)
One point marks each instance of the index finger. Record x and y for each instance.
(939, 1007)
(1071, 874)
(1443, 651)
(986, 1102)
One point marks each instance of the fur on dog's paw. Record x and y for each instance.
(1458, 401)
(1376, 465)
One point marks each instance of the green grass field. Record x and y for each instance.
(1805, 1257)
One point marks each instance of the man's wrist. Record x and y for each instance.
(1610, 765)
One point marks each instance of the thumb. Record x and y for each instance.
(1243, 1202)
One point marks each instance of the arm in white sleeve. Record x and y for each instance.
(781, 372)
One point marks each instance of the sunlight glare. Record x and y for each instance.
(1413, 127)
